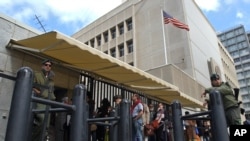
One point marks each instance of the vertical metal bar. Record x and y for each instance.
(91, 85)
(113, 130)
(110, 95)
(20, 105)
(45, 126)
(31, 118)
(177, 121)
(105, 89)
(79, 122)
(98, 88)
(218, 119)
(125, 132)
(102, 91)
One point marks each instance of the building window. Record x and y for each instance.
(130, 46)
(92, 42)
(121, 28)
(112, 52)
(121, 50)
(241, 38)
(106, 52)
(87, 43)
(236, 60)
(239, 31)
(238, 67)
(244, 58)
(246, 65)
(99, 40)
(129, 24)
(229, 35)
(231, 41)
(106, 36)
(113, 32)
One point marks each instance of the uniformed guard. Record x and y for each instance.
(231, 106)
(44, 89)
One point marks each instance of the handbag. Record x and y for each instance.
(155, 124)
(148, 130)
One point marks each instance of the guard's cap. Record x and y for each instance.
(214, 77)
(46, 61)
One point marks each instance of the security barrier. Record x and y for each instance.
(216, 114)
(22, 105)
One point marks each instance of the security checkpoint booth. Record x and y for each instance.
(72, 53)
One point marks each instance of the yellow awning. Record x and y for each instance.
(84, 57)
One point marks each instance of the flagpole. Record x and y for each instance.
(164, 39)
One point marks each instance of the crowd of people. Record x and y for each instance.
(141, 113)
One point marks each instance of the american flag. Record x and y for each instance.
(169, 19)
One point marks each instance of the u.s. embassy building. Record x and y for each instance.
(129, 47)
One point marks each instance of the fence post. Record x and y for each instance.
(124, 123)
(218, 119)
(177, 121)
(79, 124)
(113, 130)
(17, 128)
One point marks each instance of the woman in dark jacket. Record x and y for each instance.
(102, 111)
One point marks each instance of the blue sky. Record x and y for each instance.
(68, 16)
(224, 14)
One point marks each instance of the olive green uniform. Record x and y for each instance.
(232, 110)
(41, 79)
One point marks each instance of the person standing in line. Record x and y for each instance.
(60, 122)
(247, 121)
(230, 104)
(117, 99)
(160, 116)
(67, 124)
(152, 113)
(190, 126)
(207, 131)
(91, 106)
(44, 78)
(145, 118)
(102, 111)
(137, 123)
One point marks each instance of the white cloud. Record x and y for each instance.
(208, 5)
(65, 10)
(55, 14)
(239, 15)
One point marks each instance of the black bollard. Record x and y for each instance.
(124, 124)
(177, 121)
(17, 128)
(218, 119)
(113, 130)
(79, 124)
